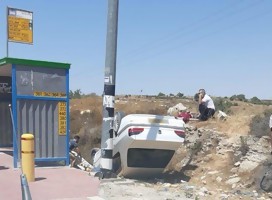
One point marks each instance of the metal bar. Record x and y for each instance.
(7, 34)
(67, 119)
(41, 98)
(14, 114)
(50, 159)
(26, 195)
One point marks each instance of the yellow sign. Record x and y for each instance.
(62, 118)
(20, 25)
(49, 94)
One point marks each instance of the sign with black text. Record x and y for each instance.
(20, 25)
(62, 118)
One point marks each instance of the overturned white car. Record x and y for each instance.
(144, 144)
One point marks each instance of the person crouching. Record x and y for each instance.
(205, 106)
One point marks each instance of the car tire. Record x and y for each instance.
(117, 121)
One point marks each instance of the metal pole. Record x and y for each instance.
(26, 195)
(109, 88)
(15, 138)
(7, 34)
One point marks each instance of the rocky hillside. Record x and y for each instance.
(229, 157)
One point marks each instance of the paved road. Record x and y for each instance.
(51, 183)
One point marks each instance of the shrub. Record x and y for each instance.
(259, 126)
(161, 94)
(77, 94)
(244, 148)
(255, 100)
(180, 95)
(239, 97)
(223, 104)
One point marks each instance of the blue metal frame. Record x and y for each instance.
(14, 113)
(15, 97)
(8, 145)
(30, 97)
(67, 118)
(50, 159)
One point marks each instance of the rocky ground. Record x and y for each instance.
(221, 168)
(142, 190)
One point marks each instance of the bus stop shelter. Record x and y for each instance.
(34, 98)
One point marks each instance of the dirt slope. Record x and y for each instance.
(238, 124)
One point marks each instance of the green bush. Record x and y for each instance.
(244, 148)
(259, 126)
(223, 105)
(239, 97)
(77, 94)
(255, 100)
(180, 95)
(161, 94)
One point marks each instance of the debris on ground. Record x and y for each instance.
(80, 162)
(222, 116)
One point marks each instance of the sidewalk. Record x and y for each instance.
(51, 183)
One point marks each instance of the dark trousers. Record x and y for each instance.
(205, 113)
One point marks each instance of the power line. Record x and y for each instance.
(202, 37)
(181, 29)
(180, 33)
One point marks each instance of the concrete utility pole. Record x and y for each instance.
(109, 88)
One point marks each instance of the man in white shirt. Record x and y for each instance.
(206, 106)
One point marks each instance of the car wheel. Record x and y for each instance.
(117, 121)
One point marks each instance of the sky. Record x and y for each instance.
(167, 46)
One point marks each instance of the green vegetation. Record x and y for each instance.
(239, 97)
(180, 95)
(223, 104)
(253, 100)
(259, 125)
(88, 124)
(161, 94)
(244, 148)
(76, 94)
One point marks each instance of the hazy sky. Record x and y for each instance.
(166, 46)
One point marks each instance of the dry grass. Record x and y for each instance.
(88, 125)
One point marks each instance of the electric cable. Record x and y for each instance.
(200, 27)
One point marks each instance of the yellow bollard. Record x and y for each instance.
(27, 152)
